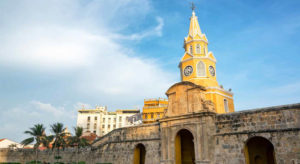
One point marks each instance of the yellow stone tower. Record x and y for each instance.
(198, 65)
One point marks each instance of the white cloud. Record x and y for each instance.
(157, 31)
(56, 111)
(21, 117)
(79, 42)
(96, 59)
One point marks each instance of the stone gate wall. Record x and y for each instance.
(280, 125)
(117, 147)
(220, 137)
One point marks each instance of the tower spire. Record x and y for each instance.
(194, 25)
(193, 6)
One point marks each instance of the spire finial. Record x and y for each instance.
(193, 6)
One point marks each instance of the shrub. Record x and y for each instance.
(33, 162)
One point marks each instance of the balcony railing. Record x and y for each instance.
(154, 99)
(152, 107)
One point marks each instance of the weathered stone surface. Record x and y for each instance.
(218, 138)
(116, 147)
(280, 125)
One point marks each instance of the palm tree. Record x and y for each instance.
(37, 133)
(47, 141)
(77, 140)
(59, 136)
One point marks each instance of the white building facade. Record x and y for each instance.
(6, 143)
(100, 121)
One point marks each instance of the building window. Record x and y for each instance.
(95, 117)
(88, 125)
(191, 49)
(103, 119)
(115, 120)
(95, 125)
(103, 126)
(108, 127)
(102, 132)
(108, 119)
(89, 118)
(151, 115)
(198, 49)
(226, 105)
(200, 69)
(120, 125)
(114, 126)
(204, 50)
(95, 131)
(120, 119)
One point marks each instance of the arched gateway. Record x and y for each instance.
(139, 154)
(259, 150)
(184, 147)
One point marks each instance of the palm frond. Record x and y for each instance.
(27, 141)
(29, 132)
(78, 131)
(37, 132)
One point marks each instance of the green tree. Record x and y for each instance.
(77, 140)
(59, 137)
(47, 141)
(37, 133)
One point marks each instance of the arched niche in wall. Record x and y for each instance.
(184, 147)
(139, 155)
(259, 150)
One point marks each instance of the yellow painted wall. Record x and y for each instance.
(139, 155)
(155, 108)
(207, 80)
(217, 97)
(178, 149)
(191, 58)
(184, 148)
(136, 156)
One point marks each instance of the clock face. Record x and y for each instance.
(212, 70)
(188, 70)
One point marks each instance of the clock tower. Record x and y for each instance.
(198, 65)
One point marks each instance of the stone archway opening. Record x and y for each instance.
(139, 154)
(184, 147)
(259, 150)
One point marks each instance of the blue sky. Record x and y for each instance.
(57, 55)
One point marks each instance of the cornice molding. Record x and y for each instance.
(220, 89)
(193, 40)
(219, 94)
(197, 57)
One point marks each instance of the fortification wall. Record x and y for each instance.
(68, 155)
(117, 147)
(219, 139)
(280, 125)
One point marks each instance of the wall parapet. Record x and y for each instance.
(264, 109)
(144, 132)
(261, 120)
